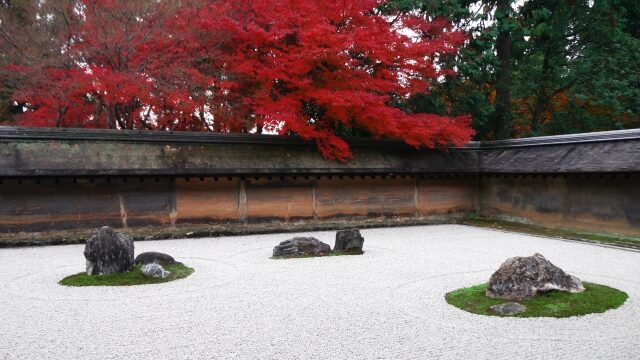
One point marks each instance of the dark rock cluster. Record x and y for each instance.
(110, 252)
(346, 240)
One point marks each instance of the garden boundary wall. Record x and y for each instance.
(61, 179)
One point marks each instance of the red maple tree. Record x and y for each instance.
(314, 69)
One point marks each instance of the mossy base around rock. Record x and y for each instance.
(134, 277)
(332, 253)
(558, 304)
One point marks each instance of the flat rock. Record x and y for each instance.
(108, 252)
(510, 308)
(154, 270)
(348, 240)
(521, 278)
(301, 246)
(154, 257)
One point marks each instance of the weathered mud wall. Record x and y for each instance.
(608, 203)
(52, 179)
(583, 181)
(50, 204)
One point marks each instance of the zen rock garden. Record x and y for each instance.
(348, 242)
(518, 282)
(529, 286)
(451, 291)
(110, 261)
(535, 281)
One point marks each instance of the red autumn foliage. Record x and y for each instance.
(300, 67)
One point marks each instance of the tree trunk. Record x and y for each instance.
(61, 112)
(502, 112)
(537, 115)
(541, 99)
(109, 117)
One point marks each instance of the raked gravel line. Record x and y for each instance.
(239, 304)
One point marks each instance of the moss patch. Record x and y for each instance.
(600, 238)
(332, 253)
(134, 277)
(558, 304)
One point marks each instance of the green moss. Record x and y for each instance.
(332, 253)
(595, 299)
(601, 238)
(134, 277)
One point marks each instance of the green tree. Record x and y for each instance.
(607, 70)
(503, 48)
(540, 66)
(545, 68)
(578, 72)
(482, 85)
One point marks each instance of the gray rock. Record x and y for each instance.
(154, 257)
(521, 278)
(510, 308)
(108, 252)
(348, 240)
(154, 270)
(301, 246)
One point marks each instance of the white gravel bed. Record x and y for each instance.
(240, 304)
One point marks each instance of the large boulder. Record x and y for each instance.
(521, 278)
(154, 257)
(154, 270)
(108, 252)
(348, 240)
(301, 246)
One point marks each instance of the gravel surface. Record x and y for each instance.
(240, 304)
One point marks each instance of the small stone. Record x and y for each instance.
(108, 252)
(348, 240)
(154, 270)
(301, 246)
(521, 278)
(154, 257)
(510, 308)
